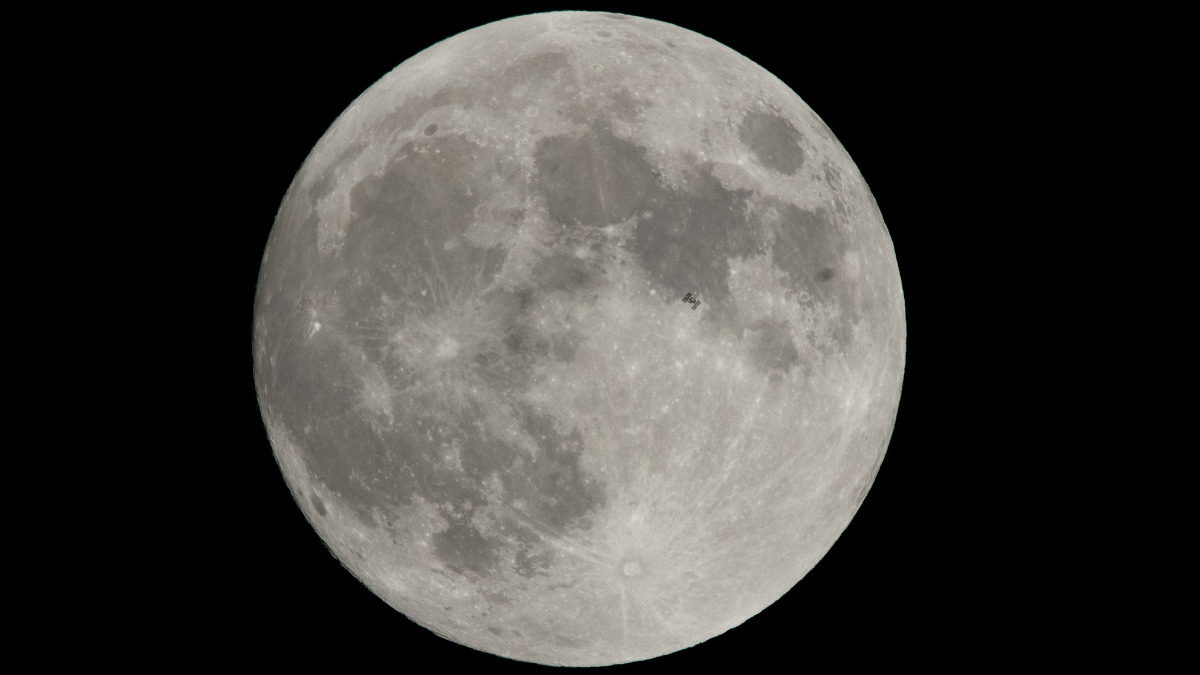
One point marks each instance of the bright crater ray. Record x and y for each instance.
(479, 373)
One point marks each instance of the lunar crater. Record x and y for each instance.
(773, 140)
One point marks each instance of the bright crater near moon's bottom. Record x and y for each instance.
(477, 372)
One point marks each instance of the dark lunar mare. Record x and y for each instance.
(427, 194)
(773, 140)
(686, 235)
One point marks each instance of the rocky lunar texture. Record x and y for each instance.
(478, 372)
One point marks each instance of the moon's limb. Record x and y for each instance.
(477, 372)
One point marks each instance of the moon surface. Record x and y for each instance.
(579, 338)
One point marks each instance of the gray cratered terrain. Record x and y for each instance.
(479, 372)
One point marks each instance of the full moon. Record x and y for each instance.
(579, 338)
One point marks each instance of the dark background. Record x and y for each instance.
(926, 573)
